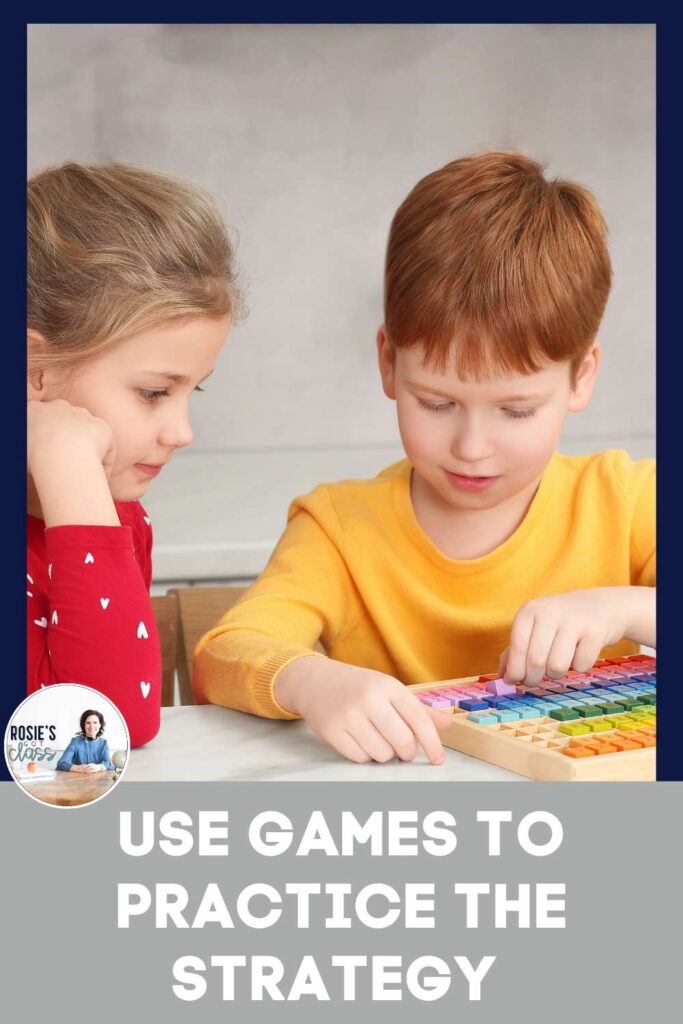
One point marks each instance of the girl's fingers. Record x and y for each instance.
(502, 664)
(423, 723)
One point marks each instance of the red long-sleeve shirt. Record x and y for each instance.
(89, 615)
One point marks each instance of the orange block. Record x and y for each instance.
(578, 751)
(621, 743)
(602, 747)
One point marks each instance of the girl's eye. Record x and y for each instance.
(152, 396)
(432, 407)
(519, 414)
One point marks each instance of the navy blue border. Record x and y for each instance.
(13, 167)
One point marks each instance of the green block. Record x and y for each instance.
(563, 714)
(610, 708)
(589, 711)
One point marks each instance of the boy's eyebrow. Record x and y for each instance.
(507, 398)
(176, 378)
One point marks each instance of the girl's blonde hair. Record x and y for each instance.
(114, 250)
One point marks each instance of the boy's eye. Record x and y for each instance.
(432, 407)
(519, 414)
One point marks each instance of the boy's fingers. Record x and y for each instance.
(441, 719)
(561, 653)
(372, 741)
(586, 654)
(422, 720)
(522, 628)
(347, 746)
(396, 732)
(538, 654)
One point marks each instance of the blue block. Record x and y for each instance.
(529, 712)
(474, 705)
(506, 716)
(483, 719)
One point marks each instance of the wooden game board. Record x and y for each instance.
(564, 732)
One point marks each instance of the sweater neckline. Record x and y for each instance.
(467, 566)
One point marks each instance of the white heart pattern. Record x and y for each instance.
(42, 686)
(148, 521)
(104, 601)
(55, 618)
(41, 622)
(49, 570)
(29, 578)
(145, 688)
(89, 559)
(142, 632)
(29, 594)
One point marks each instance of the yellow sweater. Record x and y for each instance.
(355, 571)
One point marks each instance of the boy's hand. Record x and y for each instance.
(550, 635)
(363, 714)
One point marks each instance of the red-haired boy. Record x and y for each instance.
(485, 549)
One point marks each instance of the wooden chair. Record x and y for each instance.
(199, 608)
(165, 607)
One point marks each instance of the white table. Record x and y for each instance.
(207, 743)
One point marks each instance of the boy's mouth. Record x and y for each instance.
(470, 483)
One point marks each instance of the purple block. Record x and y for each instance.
(435, 702)
(500, 688)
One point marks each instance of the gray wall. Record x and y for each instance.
(310, 136)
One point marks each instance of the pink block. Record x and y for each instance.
(500, 688)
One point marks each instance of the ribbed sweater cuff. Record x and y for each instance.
(267, 673)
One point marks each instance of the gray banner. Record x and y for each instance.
(603, 858)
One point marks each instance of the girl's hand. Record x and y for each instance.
(365, 715)
(58, 431)
(550, 635)
(71, 456)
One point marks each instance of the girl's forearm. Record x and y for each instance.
(73, 490)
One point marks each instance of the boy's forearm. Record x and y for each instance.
(640, 614)
(74, 492)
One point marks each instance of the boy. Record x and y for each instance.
(485, 549)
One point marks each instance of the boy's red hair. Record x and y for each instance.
(487, 253)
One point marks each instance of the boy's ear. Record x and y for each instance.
(585, 379)
(385, 358)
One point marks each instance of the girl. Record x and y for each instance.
(131, 291)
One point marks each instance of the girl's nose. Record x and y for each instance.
(177, 432)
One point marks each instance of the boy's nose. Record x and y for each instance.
(471, 444)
